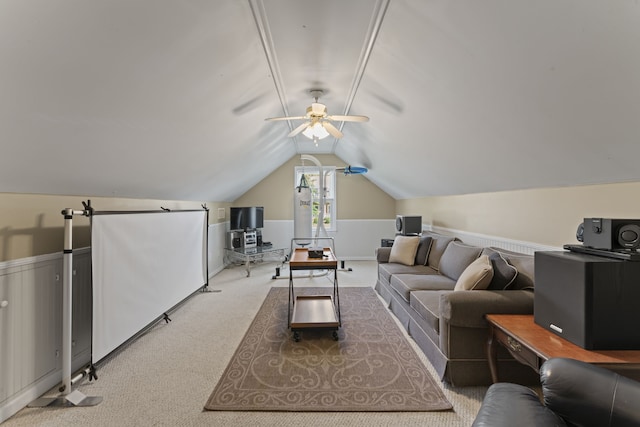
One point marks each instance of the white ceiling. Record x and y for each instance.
(166, 99)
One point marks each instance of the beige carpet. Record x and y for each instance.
(372, 366)
(164, 378)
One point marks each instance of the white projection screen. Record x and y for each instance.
(143, 263)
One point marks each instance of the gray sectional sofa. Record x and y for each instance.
(448, 324)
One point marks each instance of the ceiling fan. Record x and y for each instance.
(317, 123)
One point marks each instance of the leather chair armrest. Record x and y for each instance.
(509, 405)
(585, 394)
(468, 308)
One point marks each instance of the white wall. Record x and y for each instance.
(217, 235)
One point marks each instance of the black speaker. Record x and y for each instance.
(611, 234)
(408, 225)
(629, 236)
(386, 243)
(234, 239)
(589, 300)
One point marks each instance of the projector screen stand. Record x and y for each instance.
(68, 398)
(73, 399)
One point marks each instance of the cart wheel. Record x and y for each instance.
(296, 336)
(335, 335)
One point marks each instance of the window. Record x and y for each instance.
(313, 178)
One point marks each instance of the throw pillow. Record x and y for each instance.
(404, 250)
(424, 246)
(477, 275)
(456, 258)
(438, 245)
(504, 273)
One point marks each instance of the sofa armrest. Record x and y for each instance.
(468, 308)
(382, 254)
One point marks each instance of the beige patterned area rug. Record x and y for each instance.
(371, 367)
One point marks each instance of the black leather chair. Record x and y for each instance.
(574, 394)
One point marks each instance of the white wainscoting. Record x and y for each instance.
(31, 321)
(217, 242)
(354, 239)
(31, 326)
(484, 240)
(358, 239)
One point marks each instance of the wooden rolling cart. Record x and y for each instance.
(313, 311)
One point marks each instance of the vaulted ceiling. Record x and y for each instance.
(166, 99)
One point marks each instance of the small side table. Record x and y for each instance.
(532, 345)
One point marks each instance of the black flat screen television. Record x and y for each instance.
(246, 218)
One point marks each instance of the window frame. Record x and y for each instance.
(313, 173)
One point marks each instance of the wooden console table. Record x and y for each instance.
(313, 311)
(532, 345)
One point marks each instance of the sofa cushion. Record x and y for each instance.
(424, 247)
(525, 266)
(438, 245)
(522, 262)
(404, 284)
(427, 305)
(477, 275)
(385, 271)
(456, 258)
(503, 273)
(404, 250)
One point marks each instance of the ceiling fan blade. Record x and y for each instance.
(298, 129)
(349, 118)
(332, 130)
(275, 119)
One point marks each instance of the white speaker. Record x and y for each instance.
(408, 225)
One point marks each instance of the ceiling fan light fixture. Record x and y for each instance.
(317, 122)
(315, 131)
(317, 109)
